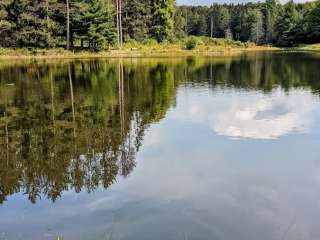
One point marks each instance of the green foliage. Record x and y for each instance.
(286, 24)
(96, 25)
(262, 23)
(179, 24)
(162, 19)
(255, 26)
(137, 19)
(93, 25)
(220, 17)
(27, 21)
(313, 24)
(191, 43)
(271, 13)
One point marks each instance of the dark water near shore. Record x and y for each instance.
(186, 148)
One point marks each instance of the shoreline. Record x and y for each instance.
(25, 54)
(128, 53)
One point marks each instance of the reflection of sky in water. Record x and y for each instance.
(252, 114)
(193, 182)
(209, 2)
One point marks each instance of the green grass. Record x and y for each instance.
(200, 44)
(310, 47)
(149, 47)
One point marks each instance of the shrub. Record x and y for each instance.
(132, 44)
(150, 42)
(191, 43)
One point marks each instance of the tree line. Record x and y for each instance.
(262, 23)
(99, 24)
(94, 24)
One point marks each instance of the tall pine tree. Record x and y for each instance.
(255, 25)
(162, 19)
(96, 24)
(286, 23)
(137, 19)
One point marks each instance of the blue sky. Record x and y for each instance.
(205, 2)
(209, 2)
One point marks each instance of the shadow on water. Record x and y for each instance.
(78, 125)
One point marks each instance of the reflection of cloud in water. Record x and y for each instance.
(254, 114)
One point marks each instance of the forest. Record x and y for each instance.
(101, 24)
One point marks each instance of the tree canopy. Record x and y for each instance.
(98, 24)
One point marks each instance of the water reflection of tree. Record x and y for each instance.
(68, 127)
(79, 125)
(259, 72)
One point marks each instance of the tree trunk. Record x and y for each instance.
(47, 15)
(211, 34)
(118, 32)
(68, 24)
(71, 93)
(52, 97)
(71, 37)
(186, 25)
(120, 22)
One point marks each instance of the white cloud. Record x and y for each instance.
(210, 2)
(253, 115)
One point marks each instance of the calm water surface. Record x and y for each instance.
(187, 148)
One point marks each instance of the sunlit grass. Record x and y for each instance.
(310, 47)
(149, 47)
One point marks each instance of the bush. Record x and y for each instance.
(150, 42)
(191, 43)
(132, 44)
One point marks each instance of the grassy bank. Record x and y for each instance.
(309, 47)
(149, 48)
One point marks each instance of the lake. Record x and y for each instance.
(169, 148)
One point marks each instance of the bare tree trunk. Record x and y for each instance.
(186, 25)
(47, 9)
(6, 127)
(125, 31)
(71, 92)
(52, 97)
(73, 110)
(211, 33)
(120, 31)
(68, 24)
(122, 89)
(53, 116)
(7, 136)
(120, 97)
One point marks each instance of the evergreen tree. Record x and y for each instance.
(286, 23)
(271, 11)
(162, 19)
(30, 23)
(91, 23)
(255, 24)
(137, 19)
(201, 23)
(56, 22)
(238, 23)
(97, 25)
(179, 24)
(220, 17)
(6, 27)
(313, 24)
